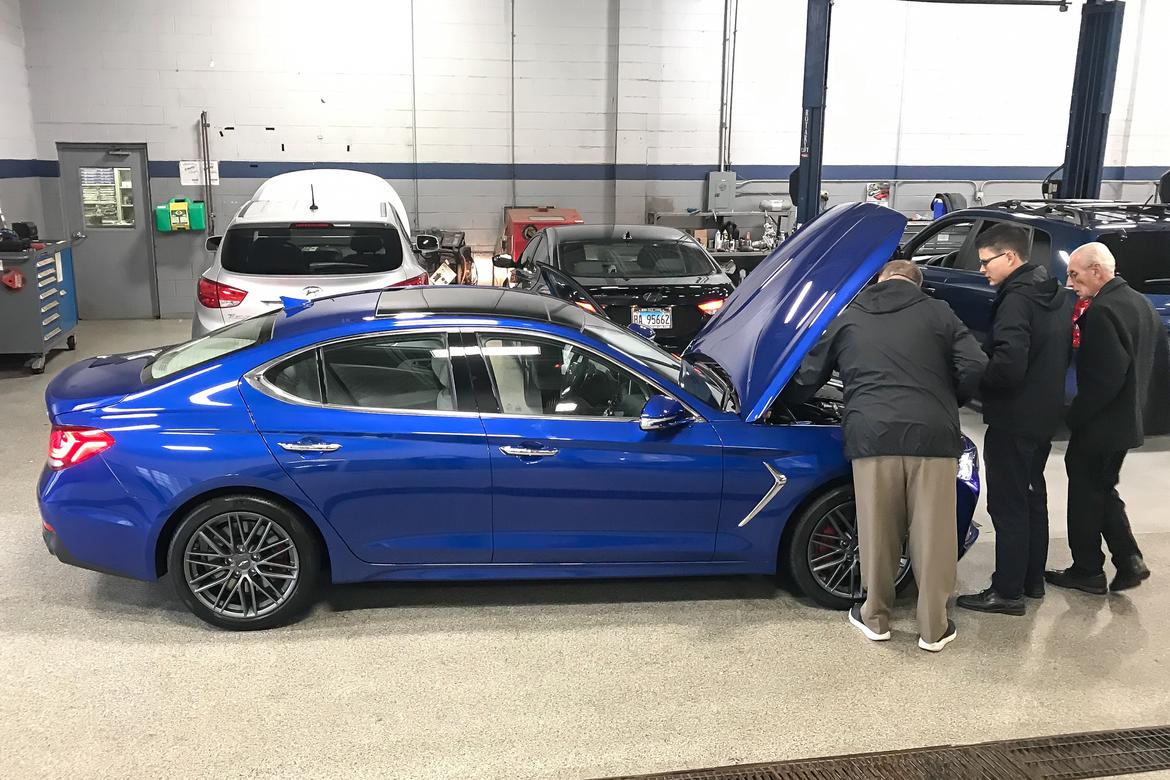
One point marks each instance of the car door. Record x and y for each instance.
(382, 435)
(574, 477)
(950, 269)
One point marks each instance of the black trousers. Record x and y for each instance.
(1095, 510)
(1017, 500)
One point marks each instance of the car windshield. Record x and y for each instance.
(699, 383)
(233, 338)
(634, 258)
(311, 250)
(1143, 259)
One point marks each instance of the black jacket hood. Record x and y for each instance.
(1034, 282)
(889, 296)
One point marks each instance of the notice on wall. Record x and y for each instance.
(192, 173)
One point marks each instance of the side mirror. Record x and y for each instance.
(728, 267)
(212, 243)
(661, 413)
(503, 261)
(425, 242)
(645, 331)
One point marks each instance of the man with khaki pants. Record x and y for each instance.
(907, 363)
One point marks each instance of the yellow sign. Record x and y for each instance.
(180, 216)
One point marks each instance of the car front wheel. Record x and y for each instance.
(822, 552)
(244, 563)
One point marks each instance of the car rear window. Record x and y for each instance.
(311, 250)
(217, 344)
(1143, 259)
(634, 259)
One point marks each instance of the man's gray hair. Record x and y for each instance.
(1096, 252)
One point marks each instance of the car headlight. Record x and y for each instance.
(968, 465)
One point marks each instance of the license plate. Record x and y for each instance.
(658, 319)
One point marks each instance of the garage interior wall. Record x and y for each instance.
(20, 185)
(609, 106)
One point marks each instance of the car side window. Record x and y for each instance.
(407, 372)
(943, 247)
(536, 377)
(297, 377)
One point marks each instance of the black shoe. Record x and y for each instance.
(1035, 590)
(943, 641)
(1132, 574)
(1070, 578)
(990, 601)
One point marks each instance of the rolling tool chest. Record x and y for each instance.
(38, 302)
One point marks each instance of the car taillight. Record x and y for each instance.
(214, 295)
(413, 281)
(589, 307)
(71, 444)
(710, 307)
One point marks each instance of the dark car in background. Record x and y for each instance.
(1138, 235)
(657, 277)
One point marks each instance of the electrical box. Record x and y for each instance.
(721, 191)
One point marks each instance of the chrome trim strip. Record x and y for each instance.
(780, 482)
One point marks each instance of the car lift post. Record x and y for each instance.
(1092, 98)
(812, 123)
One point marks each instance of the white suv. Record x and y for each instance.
(307, 234)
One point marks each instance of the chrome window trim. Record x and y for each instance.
(257, 380)
(553, 337)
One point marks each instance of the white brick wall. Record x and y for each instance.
(16, 127)
(596, 81)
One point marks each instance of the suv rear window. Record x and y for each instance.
(1143, 259)
(311, 250)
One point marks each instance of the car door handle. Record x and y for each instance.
(306, 446)
(528, 452)
(930, 288)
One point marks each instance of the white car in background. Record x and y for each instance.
(303, 235)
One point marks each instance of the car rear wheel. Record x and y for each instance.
(822, 552)
(244, 563)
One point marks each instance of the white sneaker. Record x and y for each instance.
(870, 634)
(946, 639)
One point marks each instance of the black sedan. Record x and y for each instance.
(657, 277)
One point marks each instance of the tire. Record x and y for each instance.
(831, 516)
(243, 591)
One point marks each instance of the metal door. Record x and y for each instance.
(105, 195)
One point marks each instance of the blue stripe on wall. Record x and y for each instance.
(243, 169)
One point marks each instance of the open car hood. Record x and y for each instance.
(780, 310)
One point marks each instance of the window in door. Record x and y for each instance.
(532, 376)
(409, 373)
(944, 246)
(107, 197)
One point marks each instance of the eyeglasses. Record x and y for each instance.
(1076, 275)
(987, 262)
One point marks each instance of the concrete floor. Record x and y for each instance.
(101, 676)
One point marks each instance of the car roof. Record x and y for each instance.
(417, 302)
(340, 196)
(615, 232)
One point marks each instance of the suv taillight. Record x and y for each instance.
(413, 281)
(72, 444)
(214, 295)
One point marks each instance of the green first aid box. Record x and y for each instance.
(180, 214)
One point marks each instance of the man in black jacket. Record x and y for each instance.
(907, 363)
(1123, 381)
(1023, 400)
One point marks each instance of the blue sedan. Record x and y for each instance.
(471, 433)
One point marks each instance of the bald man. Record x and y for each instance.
(1123, 385)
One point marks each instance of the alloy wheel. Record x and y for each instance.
(241, 565)
(833, 556)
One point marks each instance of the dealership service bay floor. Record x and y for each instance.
(107, 677)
